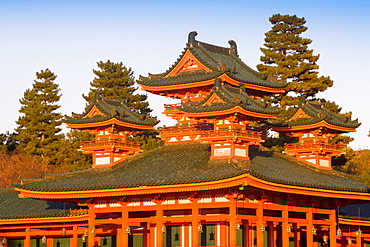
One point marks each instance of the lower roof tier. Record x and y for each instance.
(186, 167)
(12, 207)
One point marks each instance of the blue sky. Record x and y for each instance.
(69, 37)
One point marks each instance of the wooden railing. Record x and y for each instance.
(295, 146)
(231, 133)
(101, 143)
(177, 129)
(171, 106)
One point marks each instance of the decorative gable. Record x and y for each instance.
(94, 111)
(188, 63)
(214, 99)
(300, 114)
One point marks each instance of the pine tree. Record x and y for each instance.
(39, 125)
(115, 81)
(287, 58)
(69, 157)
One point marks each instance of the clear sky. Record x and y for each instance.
(69, 37)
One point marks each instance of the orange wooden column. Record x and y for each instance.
(275, 234)
(297, 234)
(159, 223)
(185, 231)
(152, 242)
(333, 228)
(245, 233)
(285, 234)
(74, 239)
(232, 212)
(223, 238)
(144, 225)
(27, 241)
(250, 234)
(49, 242)
(359, 241)
(122, 236)
(195, 221)
(260, 234)
(309, 216)
(120, 232)
(92, 215)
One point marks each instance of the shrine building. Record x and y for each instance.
(211, 184)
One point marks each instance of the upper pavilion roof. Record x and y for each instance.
(186, 165)
(102, 111)
(311, 115)
(207, 63)
(228, 99)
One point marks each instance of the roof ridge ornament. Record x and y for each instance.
(233, 47)
(98, 97)
(217, 82)
(242, 87)
(191, 37)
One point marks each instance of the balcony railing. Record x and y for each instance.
(105, 143)
(297, 146)
(172, 107)
(177, 129)
(231, 133)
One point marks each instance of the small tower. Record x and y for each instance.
(314, 124)
(224, 120)
(110, 121)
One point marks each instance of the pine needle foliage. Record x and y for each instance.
(288, 58)
(39, 125)
(116, 81)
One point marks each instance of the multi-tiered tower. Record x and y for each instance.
(314, 124)
(111, 121)
(220, 99)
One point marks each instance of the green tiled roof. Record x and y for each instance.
(219, 60)
(112, 109)
(318, 113)
(190, 163)
(232, 97)
(13, 207)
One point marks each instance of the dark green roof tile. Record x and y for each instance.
(112, 109)
(13, 207)
(232, 97)
(190, 163)
(219, 60)
(317, 113)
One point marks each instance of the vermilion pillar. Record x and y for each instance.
(159, 223)
(186, 235)
(122, 235)
(260, 234)
(358, 241)
(144, 225)
(223, 238)
(309, 227)
(232, 212)
(285, 234)
(27, 241)
(74, 239)
(49, 242)
(194, 222)
(333, 229)
(92, 215)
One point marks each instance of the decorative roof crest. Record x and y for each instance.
(191, 37)
(233, 47)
